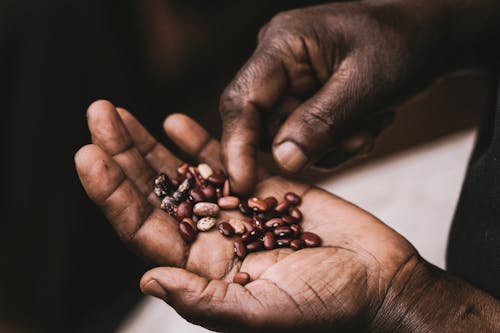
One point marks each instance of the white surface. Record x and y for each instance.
(415, 192)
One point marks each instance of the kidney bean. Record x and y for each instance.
(258, 222)
(182, 169)
(249, 236)
(226, 229)
(206, 223)
(257, 204)
(270, 214)
(310, 239)
(271, 202)
(295, 213)
(283, 231)
(268, 240)
(297, 244)
(296, 230)
(218, 193)
(244, 209)
(239, 249)
(282, 207)
(229, 202)
(205, 170)
(283, 242)
(226, 190)
(185, 209)
(238, 226)
(187, 233)
(293, 198)
(206, 209)
(196, 195)
(288, 219)
(191, 222)
(241, 278)
(209, 192)
(273, 223)
(248, 225)
(254, 245)
(217, 179)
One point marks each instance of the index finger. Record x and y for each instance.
(257, 87)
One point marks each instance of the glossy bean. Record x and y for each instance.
(297, 244)
(226, 229)
(187, 233)
(257, 204)
(293, 198)
(191, 222)
(241, 278)
(182, 169)
(310, 239)
(229, 202)
(297, 229)
(185, 209)
(244, 209)
(273, 223)
(283, 231)
(295, 213)
(283, 242)
(217, 179)
(255, 245)
(268, 240)
(209, 192)
(196, 195)
(271, 202)
(226, 190)
(282, 207)
(239, 249)
(248, 225)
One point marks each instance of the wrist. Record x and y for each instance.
(424, 298)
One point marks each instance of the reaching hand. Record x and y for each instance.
(340, 285)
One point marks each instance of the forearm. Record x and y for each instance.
(430, 300)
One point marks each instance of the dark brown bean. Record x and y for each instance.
(218, 193)
(290, 220)
(217, 179)
(226, 229)
(268, 241)
(196, 175)
(187, 233)
(185, 209)
(209, 192)
(310, 239)
(293, 198)
(270, 214)
(241, 278)
(182, 169)
(283, 231)
(273, 223)
(282, 207)
(226, 190)
(271, 202)
(197, 195)
(295, 213)
(297, 244)
(283, 242)
(244, 209)
(257, 204)
(239, 249)
(249, 236)
(248, 225)
(228, 202)
(254, 246)
(297, 229)
(258, 222)
(191, 222)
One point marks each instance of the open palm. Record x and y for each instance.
(339, 285)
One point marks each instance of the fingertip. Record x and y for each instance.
(83, 157)
(99, 106)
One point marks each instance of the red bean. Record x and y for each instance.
(257, 205)
(191, 222)
(228, 202)
(268, 241)
(270, 214)
(295, 213)
(239, 249)
(249, 236)
(244, 209)
(290, 220)
(271, 202)
(248, 225)
(217, 179)
(241, 278)
(283, 242)
(283, 231)
(297, 244)
(310, 239)
(187, 232)
(282, 207)
(258, 222)
(273, 223)
(185, 209)
(226, 229)
(209, 192)
(197, 195)
(226, 190)
(182, 169)
(255, 245)
(293, 198)
(296, 228)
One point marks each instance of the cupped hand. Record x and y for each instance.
(320, 84)
(340, 285)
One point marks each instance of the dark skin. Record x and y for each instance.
(322, 81)
(365, 277)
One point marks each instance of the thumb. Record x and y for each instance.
(322, 121)
(213, 304)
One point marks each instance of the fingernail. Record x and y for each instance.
(290, 157)
(153, 288)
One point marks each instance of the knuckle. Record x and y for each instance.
(320, 117)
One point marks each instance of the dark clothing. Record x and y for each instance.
(474, 242)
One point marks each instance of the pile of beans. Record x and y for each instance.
(196, 197)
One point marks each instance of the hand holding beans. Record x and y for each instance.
(292, 287)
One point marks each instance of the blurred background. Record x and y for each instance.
(62, 267)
